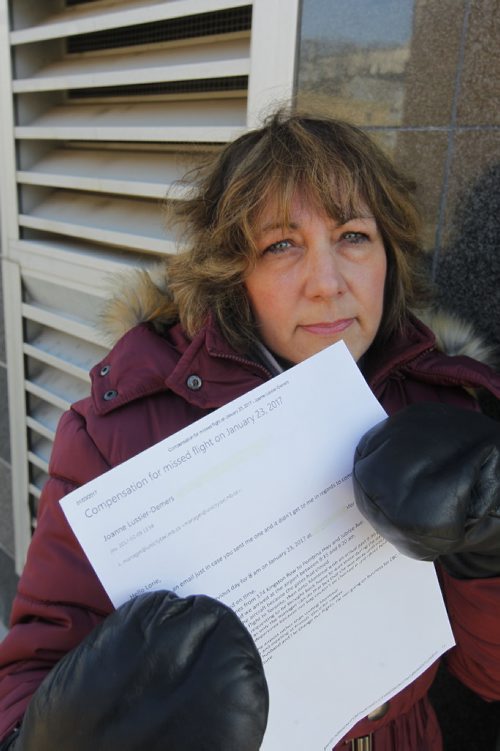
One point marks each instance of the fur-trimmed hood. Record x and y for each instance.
(138, 296)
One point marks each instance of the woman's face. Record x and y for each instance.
(316, 282)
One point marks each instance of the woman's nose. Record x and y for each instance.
(323, 273)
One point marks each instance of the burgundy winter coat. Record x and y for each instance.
(142, 392)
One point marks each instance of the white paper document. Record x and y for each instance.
(253, 505)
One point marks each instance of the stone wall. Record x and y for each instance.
(422, 77)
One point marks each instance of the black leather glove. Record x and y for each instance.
(428, 480)
(161, 673)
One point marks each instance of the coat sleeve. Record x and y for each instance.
(474, 609)
(59, 598)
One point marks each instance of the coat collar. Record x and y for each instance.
(414, 353)
(402, 348)
(201, 370)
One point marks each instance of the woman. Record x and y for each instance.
(299, 234)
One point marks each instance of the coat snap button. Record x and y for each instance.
(105, 370)
(194, 382)
(111, 394)
(380, 712)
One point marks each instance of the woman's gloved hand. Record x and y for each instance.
(161, 673)
(428, 480)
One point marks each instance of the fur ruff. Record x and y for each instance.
(139, 296)
(135, 296)
(454, 336)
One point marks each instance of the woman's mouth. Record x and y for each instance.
(328, 328)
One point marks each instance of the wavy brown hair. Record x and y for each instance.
(337, 169)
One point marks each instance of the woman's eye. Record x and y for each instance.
(278, 247)
(355, 237)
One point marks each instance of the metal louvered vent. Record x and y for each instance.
(205, 24)
(105, 105)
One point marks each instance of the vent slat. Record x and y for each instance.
(125, 222)
(38, 461)
(78, 260)
(44, 414)
(40, 429)
(200, 121)
(42, 393)
(56, 387)
(143, 174)
(63, 323)
(202, 61)
(35, 491)
(88, 19)
(55, 362)
(62, 351)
